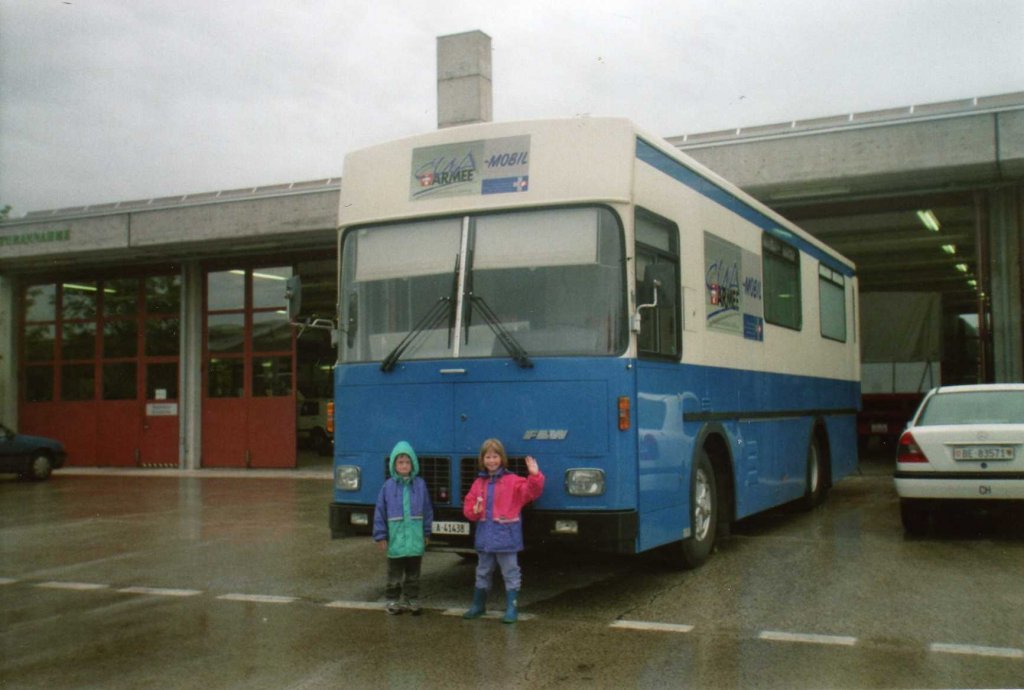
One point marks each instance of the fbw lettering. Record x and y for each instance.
(507, 160)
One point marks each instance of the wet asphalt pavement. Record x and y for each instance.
(230, 580)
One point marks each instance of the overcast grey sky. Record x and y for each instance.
(112, 100)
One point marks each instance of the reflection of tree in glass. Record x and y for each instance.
(119, 338)
(120, 297)
(39, 343)
(162, 336)
(79, 301)
(163, 294)
(40, 302)
(79, 341)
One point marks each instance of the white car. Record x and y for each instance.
(964, 443)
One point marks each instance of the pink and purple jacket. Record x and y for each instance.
(499, 529)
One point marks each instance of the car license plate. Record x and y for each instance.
(879, 428)
(983, 453)
(442, 527)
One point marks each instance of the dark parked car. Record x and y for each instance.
(34, 457)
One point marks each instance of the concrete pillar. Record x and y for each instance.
(8, 350)
(463, 79)
(190, 372)
(1005, 241)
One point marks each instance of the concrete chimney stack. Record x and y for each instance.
(463, 79)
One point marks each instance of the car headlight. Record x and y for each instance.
(584, 482)
(346, 478)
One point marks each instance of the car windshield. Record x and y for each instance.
(551, 280)
(974, 407)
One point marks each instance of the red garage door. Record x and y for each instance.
(249, 363)
(100, 367)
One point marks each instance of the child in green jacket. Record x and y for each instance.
(401, 526)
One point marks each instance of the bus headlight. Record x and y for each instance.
(346, 478)
(584, 482)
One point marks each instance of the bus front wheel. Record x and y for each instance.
(696, 548)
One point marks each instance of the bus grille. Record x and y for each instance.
(468, 472)
(437, 473)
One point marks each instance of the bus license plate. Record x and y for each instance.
(450, 528)
(983, 453)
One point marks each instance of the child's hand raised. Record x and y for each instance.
(531, 465)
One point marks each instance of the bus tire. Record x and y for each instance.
(817, 475)
(696, 548)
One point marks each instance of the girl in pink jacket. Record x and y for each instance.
(494, 503)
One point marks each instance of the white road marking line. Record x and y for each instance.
(659, 627)
(977, 650)
(807, 638)
(7, 580)
(773, 635)
(258, 598)
(494, 615)
(79, 586)
(161, 591)
(362, 605)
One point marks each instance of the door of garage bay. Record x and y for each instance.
(249, 365)
(100, 371)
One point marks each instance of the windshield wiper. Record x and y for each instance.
(433, 317)
(515, 350)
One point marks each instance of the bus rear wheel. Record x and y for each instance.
(696, 548)
(817, 477)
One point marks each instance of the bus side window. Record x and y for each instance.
(657, 242)
(783, 305)
(832, 303)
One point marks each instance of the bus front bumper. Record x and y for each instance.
(612, 531)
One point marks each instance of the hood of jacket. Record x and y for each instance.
(403, 447)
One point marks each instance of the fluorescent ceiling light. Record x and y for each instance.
(949, 248)
(929, 220)
(86, 288)
(962, 268)
(257, 274)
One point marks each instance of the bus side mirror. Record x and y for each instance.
(658, 286)
(293, 297)
(657, 289)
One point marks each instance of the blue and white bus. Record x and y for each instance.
(676, 355)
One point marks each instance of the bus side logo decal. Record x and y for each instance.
(733, 302)
(487, 166)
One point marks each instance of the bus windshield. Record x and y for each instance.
(553, 280)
